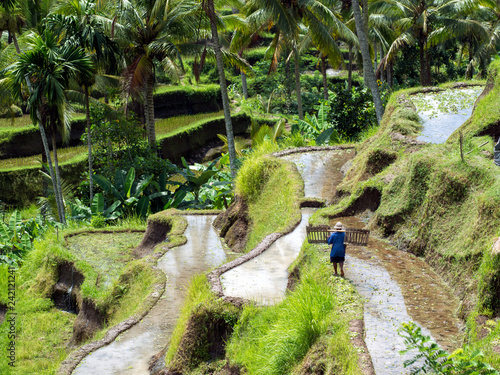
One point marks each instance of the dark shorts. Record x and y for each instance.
(337, 259)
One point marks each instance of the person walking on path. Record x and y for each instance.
(337, 254)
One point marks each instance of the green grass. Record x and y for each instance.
(113, 251)
(198, 293)
(314, 317)
(6, 124)
(43, 331)
(169, 125)
(168, 88)
(64, 156)
(272, 188)
(486, 114)
(16, 123)
(164, 127)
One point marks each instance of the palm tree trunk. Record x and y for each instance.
(371, 82)
(325, 81)
(49, 162)
(149, 112)
(89, 142)
(58, 191)
(471, 56)
(244, 85)
(45, 143)
(288, 82)
(210, 10)
(390, 72)
(297, 82)
(349, 69)
(424, 63)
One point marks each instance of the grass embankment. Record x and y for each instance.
(485, 115)
(164, 127)
(15, 123)
(309, 326)
(272, 189)
(168, 125)
(115, 283)
(308, 331)
(66, 155)
(437, 206)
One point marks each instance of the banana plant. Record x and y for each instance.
(318, 127)
(163, 198)
(15, 240)
(193, 183)
(128, 191)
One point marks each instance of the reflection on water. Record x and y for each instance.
(320, 171)
(440, 120)
(264, 278)
(132, 350)
(384, 311)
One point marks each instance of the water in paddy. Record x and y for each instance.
(131, 351)
(443, 112)
(264, 278)
(397, 287)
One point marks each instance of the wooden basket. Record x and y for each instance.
(320, 234)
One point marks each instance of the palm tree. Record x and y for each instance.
(209, 8)
(48, 67)
(475, 25)
(82, 23)
(288, 17)
(150, 31)
(415, 21)
(369, 75)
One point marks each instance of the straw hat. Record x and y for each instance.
(339, 227)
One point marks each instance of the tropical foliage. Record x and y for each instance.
(432, 359)
(16, 237)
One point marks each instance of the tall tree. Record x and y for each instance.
(83, 23)
(370, 80)
(414, 21)
(150, 31)
(209, 8)
(288, 16)
(49, 67)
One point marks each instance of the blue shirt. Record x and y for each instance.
(337, 242)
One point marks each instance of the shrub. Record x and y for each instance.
(432, 358)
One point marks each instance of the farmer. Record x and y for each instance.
(337, 255)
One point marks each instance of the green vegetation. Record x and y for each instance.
(485, 116)
(309, 328)
(65, 155)
(439, 361)
(15, 123)
(169, 125)
(272, 188)
(312, 321)
(197, 294)
(115, 282)
(433, 204)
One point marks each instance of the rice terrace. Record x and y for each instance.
(264, 187)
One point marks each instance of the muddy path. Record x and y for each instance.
(397, 287)
(132, 350)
